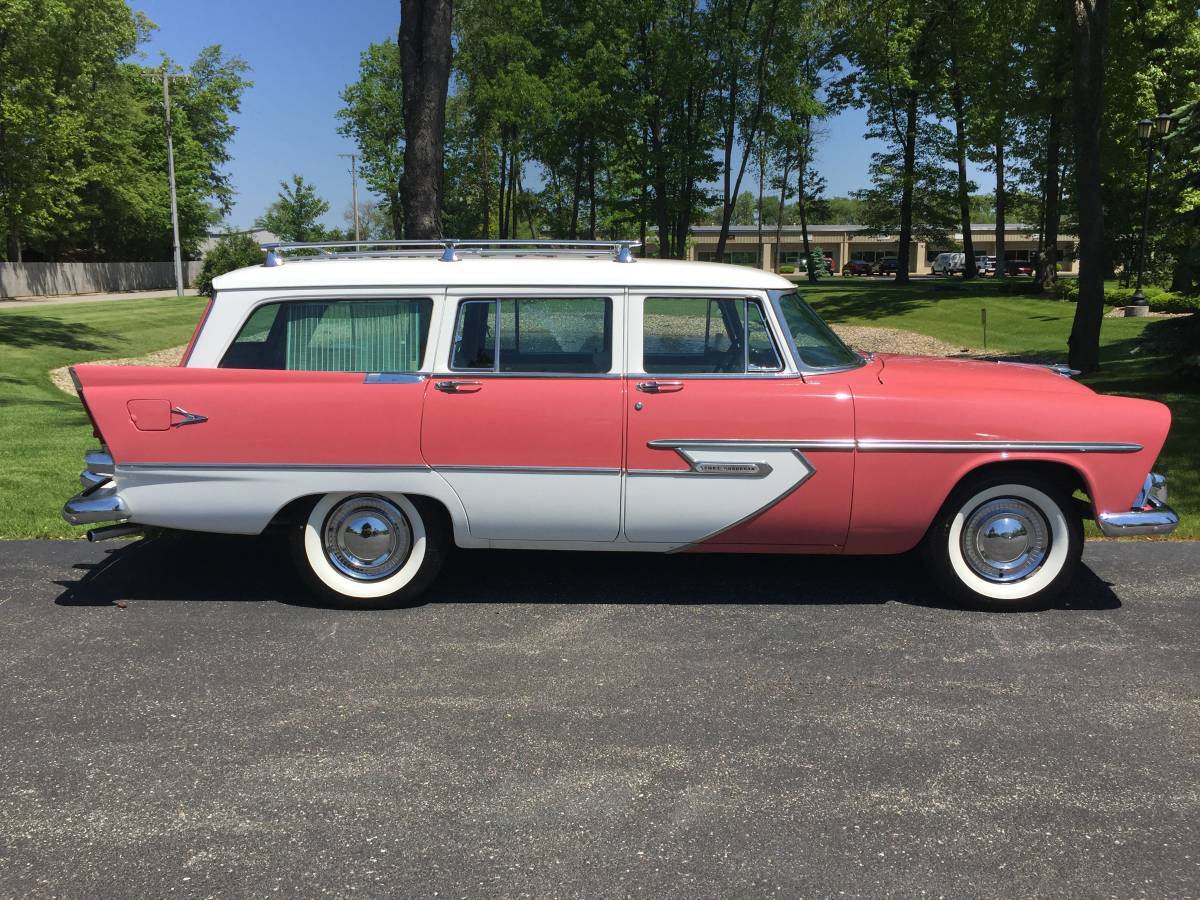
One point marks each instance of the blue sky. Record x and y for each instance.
(302, 53)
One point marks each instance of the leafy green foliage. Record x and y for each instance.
(232, 251)
(295, 215)
(373, 117)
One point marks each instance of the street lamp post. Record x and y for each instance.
(1147, 131)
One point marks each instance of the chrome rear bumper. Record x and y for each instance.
(102, 504)
(99, 500)
(1149, 515)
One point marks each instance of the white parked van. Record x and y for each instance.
(949, 263)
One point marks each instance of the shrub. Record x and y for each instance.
(1158, 299)
(232, 251)
(1066, 289)
(787, 270)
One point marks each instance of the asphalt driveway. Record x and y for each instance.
(176, 720)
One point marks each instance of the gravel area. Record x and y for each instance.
(896, 340)
(172, 356)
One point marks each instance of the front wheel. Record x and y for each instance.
(370, 551)
(1005, 544)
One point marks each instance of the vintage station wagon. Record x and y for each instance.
(386, 402)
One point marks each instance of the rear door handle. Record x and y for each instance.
(459, 387)
(660, 387)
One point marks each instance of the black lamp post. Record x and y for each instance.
(1147, 131)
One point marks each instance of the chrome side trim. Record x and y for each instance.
(487, 373)
(306, 467)
(873, 445)
(92, 480)
(534, 470)
(392, 378)
(753, 443)
(101, 505)
(189, 418)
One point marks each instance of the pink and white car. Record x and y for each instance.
(387, 403)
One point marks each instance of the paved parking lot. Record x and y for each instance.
(561, 724)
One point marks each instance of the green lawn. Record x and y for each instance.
(44, 432)
(1137, 355)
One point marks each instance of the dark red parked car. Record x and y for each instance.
(858, 267)
(1019, 266)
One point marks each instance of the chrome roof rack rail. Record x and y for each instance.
(447, 249)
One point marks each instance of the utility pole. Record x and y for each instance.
(166, 76)
(354, 190)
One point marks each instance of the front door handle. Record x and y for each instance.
(660, 387)
(459, 387)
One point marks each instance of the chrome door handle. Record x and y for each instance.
(459, 387)
(660, 387)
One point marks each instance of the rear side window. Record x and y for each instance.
(334, 336)
(568, 336)
(696, 335)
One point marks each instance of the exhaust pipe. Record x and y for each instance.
(113, 531)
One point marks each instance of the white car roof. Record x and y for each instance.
(498, 272)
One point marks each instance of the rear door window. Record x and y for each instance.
(387, 335)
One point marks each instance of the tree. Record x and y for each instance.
(57, 57)
(425, 56)
(1089, 21)
(742, 33)
(295, 214)
(896, 75)
(373, 117)
(231, 251)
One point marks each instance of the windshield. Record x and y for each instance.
(818, 346)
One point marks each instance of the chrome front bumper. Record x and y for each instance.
(99, 500)
(1149, 515)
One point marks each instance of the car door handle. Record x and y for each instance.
(660, 387)
(459, 387)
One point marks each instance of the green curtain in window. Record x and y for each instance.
(355, 335)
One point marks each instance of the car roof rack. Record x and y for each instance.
(447, 249)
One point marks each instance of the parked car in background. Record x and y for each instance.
(949, 263)
(1020, 266)
(985, 265)
(858, 267)
(381, 410)
(887, 266)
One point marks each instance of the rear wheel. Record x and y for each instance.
(1005, 544)
(370, 551)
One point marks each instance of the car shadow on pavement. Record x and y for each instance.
(201, 567)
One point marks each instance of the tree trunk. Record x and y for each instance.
(485, 188)
(1001, 210)
(425, 54)
(13, 242)
(396, 211)
(906, 198)
(761, 184)
(1048, 261)
(592, 190)
(502, 232)
(960, 151)
(1089, 21)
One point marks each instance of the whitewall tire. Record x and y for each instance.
(1005, 542)
(369, 550)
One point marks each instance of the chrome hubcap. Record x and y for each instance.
(367, 538)
(1005, 540)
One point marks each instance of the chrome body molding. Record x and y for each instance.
(1150, 513)
(392, 378)
(534, 470)
(103, 504)
(873, 445)
(751, 444)
(267, 467)
(92, 480)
